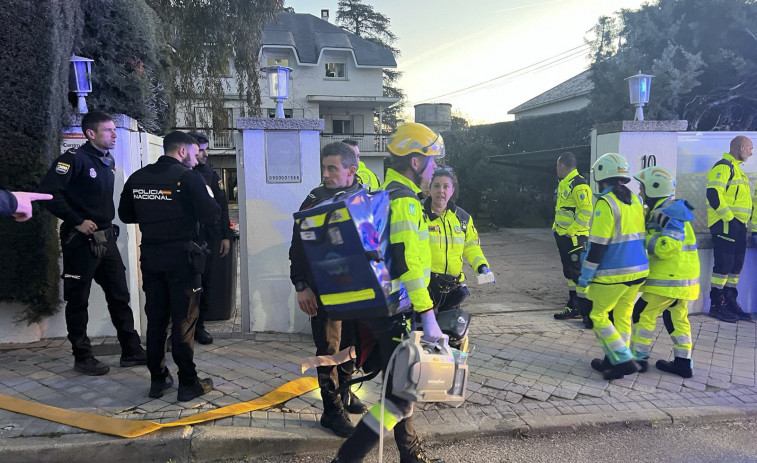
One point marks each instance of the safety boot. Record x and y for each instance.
(618, 371)
(568, 313)
(734, 308)
(203, 337)
(719, 310)
(679, 366)
(601, 364)
(198, 388)
(158, 388)
(352, 403)
(91, 367)
(415, 454)
(337, 419)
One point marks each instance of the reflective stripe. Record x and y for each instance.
(599, 240)
(716, 183)
(339, 215)
(478, 261)
(651, 244)
(422, 234)
(571, 285)
(681, 340)
(626, 337)
(418, 283)
(585, 223)
(639, 347)
(622, 270)
(402, 225)
(670, 283)
(723, 210)
(629, 237)
(689, 247)
(564, 213)
(676, 235)
(682, 353)
(720, 276)
(471, 242)
(741, 209)
(731, 284)
(617, 345)
(606, 331)
(347, 297)
(392, 416)
(590, 265)
(646, 334)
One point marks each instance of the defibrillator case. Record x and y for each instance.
(346, 242)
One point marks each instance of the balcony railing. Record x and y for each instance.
(217, 139)
(366, 141)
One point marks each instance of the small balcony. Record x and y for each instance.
(367, 142)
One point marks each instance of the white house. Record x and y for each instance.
(571, 95)
(336, 76)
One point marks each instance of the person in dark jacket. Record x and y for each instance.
(218, 235)
(168, 199)
(81, 183)
(19, 203)
(339, 165)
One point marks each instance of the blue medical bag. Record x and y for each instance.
(346, 242)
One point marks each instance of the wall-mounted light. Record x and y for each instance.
(80, 80)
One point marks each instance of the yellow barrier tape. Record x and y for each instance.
(135, 428)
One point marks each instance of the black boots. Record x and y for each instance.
(203, 337)
(158, 388)
(602, 365)
(337, 419)
(618, 371)
(91, 367)
(719, 309)
(679, 366)
(352, 403)
(567, 313)
(732, 305)
(200, 387)
(415, 454)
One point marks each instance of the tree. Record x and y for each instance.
(703, 54)
(362, 20)
(206, 36)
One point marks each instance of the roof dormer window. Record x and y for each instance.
(336, 70)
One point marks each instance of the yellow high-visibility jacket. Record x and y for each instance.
(672, 249)
(453, 236)
(734, 193)
(366, 177)
(408, 238)
(615, 251)
(754, 211)
(573, 209)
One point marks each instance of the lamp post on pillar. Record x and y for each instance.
(638, 88)
(80, 80)
(278, 86)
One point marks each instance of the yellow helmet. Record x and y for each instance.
(412, 137)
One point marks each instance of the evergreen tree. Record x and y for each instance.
(703, 54)
(362, 20)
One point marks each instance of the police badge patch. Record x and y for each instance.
(62, 168)
(92, 172)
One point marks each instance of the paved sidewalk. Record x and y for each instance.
(529, 374)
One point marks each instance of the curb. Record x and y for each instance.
(212, 443)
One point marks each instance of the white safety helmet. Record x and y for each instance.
(611, 165)
(658, 182)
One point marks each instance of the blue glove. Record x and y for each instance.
(431, 330)
(483, 269)
(583, 282)
(586, 275)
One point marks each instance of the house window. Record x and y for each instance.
(338, 126)
(336, 70)
(272, 113)
(278, 62)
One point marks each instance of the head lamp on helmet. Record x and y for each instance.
(658, 182)
(413, 138)
(611, 165)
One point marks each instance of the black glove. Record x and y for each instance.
(98, 243)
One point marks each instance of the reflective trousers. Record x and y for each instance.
(675, 317)
(398, 413)
(80, 267)
(614, 336)
(570, 257)
(729, 249)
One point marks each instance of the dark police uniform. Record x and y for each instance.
(329, 336)
(81, 182)
(168, 200)
(212, 234)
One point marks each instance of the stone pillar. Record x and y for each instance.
(278, 163)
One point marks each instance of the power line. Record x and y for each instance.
(572, 50)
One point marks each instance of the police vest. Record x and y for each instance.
(626, 257)
(673, 262)
(156, 194)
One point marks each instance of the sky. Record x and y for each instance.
(520, 47)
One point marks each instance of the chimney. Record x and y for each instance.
(325, 15)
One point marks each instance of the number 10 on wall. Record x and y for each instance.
(647, 160)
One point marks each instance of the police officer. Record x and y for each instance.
(673, 272)
(339, 164)
(81, 182)
(573, 212)
(218, 236)
(414, 148)
(364, 174)
(168, 199)
(729, 206)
